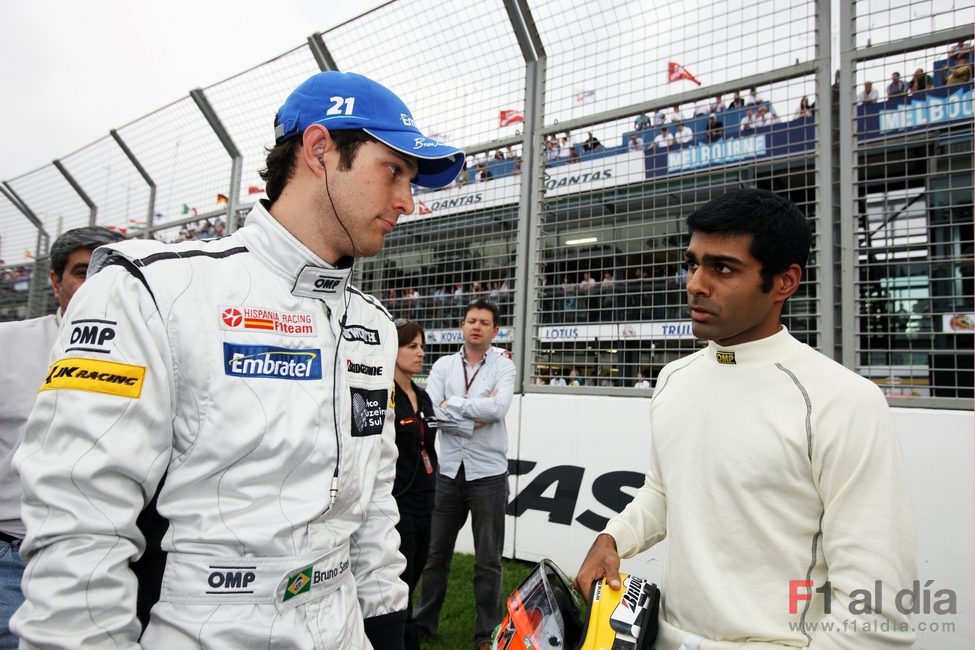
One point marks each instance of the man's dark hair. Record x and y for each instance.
(89, 237)
(481, 303)
(406, 331)
(281, 158)
(780, 233)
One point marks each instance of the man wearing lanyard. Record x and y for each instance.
(473, 389)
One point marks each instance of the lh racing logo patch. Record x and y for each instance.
(96, 376)
(269, 362)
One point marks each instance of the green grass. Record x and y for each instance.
(457, 617)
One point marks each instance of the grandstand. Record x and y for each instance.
(582, 250)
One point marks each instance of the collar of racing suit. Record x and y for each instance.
(311, 276)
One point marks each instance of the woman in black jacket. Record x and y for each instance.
(416, 467)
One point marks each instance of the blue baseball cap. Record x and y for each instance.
(342, 101)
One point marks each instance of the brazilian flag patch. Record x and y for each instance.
(298, 584)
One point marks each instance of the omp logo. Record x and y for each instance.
(231, 579)
(361, 334)
(92, 335)
(96, 376)
(326, 284)
(363, 369)
(298, 584)
(727, 358)
(271, 362)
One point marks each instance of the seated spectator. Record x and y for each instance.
(499, 155)
(896, 87)
(747, 124)
(641, 380)
(715, 128)
(868, 95)
(805, 109)
(753, 98)
(961, 48)
(636, 143)
(765, 117)
(717, 105)
(683, 134)
(960, 72)
(920, 82)
(591, 144)
(483, 173)
(663, 140)
(557, 380)
(675, 115)
(736, 101)
(642, 122)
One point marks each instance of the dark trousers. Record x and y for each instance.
(485, 499)
(414, 534)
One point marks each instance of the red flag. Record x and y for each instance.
(510, 117)
(423, 209)
(254, 189)
(676, 72)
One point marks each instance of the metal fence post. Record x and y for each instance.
(92, 208)
(237, 160)
(150, 217)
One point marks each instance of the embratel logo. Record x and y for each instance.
(96, 376)
(257, 319)
(271, 362)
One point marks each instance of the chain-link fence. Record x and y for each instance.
(593, 130)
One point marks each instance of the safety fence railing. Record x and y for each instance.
(593, 130)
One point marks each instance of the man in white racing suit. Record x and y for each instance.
(243, 388)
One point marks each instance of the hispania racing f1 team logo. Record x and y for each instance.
(271, 362)
(259, 319)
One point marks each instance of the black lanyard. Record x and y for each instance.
(470, 382)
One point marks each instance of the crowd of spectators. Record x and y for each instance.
(204, 229)
(443, 306)
(957, 70)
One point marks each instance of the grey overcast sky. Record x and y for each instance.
(70, 70)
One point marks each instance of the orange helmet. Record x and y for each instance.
(546, 613)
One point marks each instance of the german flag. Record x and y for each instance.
(222, 199)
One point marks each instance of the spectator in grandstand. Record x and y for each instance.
(26, 349)
(736, 101)
(591, 144)
(702, 107)
(570, 299)
(717, 105)
(218, 228)
(635, 143)
(715, 130)
(920, 81)
(566, 150)
(176, 399)
(765, 117)
(641, 380)
(416, 462)
(499, 154)
(663, 140)
(896, 87)
(474, 388)
(960, 72)
(552, 149)
(483, 173)
(607, 297)
(961, 48)
(642, 122)
(748, 123)
(574, 377)
(660, 118)
(683, 134)
(557, 380)
(462, 178)
(516, 169)
(587, 301)
(753, 98)
(805, 110)
(836, 511)
(868, 95)
(675, 115)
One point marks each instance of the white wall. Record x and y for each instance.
(586, 444)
